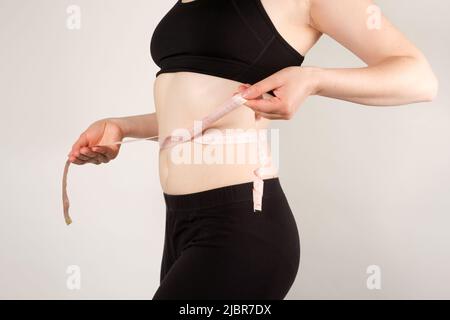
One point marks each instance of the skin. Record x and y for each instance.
(396, 73)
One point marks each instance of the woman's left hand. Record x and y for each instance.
(291, 87)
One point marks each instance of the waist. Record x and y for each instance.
(220, 196)
(182, 98)
(192, 167)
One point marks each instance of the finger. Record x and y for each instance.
(95, 161)
(80, 156)
(244, 87)
(74, 160)
(269, 105)
(81, 160)
(268, 84)
(81, 142)
(108, 152)
(241, 88)
(270, 116)
(100, 149)
(87, 152)
(101, 158)
(98, 159)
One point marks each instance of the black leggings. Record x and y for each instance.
(217, 247)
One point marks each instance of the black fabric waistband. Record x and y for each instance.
(219, 196)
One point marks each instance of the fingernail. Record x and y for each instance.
(246, 93)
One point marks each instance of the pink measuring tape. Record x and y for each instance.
(198, 137)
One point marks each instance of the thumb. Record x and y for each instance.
(258, 89)
(82, 141)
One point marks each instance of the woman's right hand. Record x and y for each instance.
(101, 132)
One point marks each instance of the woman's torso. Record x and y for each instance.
(184, 96)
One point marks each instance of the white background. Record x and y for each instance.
(368, 185)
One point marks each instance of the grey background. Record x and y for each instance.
(368, 186)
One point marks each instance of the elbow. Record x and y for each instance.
(428, 86)
(431, 89)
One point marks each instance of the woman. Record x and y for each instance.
(216, 246)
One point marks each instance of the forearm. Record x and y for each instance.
(395, 81)
(138, 126)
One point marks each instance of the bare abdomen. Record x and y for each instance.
(180, 99)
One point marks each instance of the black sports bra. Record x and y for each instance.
(232, 39)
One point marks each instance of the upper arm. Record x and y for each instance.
(360, 26)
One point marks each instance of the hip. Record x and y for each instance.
(224, 218)
(216, 246)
